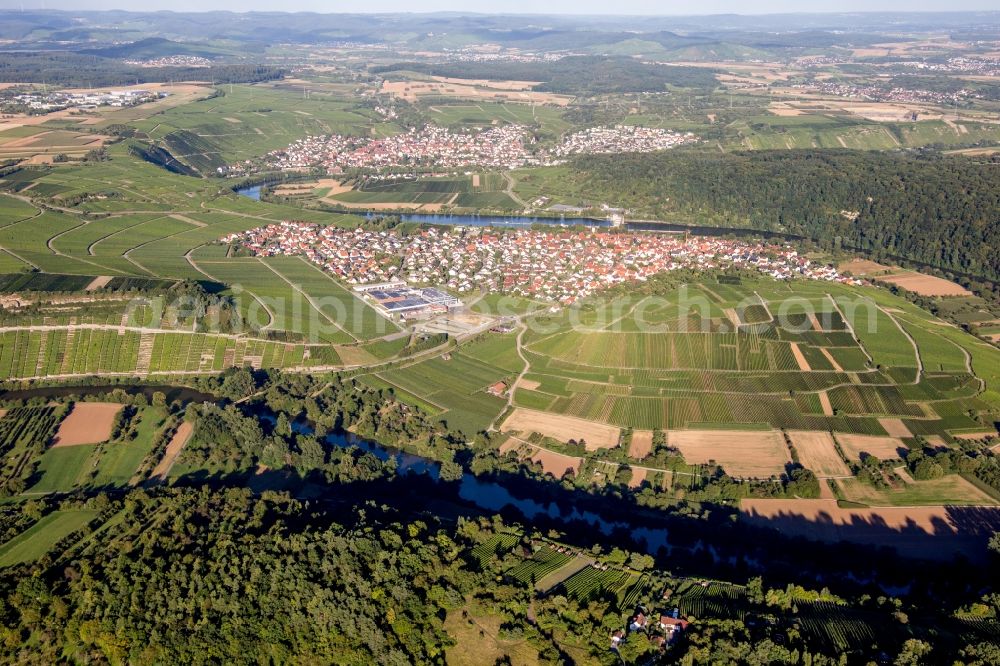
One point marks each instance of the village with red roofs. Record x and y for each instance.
(561, 266)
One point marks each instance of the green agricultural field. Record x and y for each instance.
(496, 350)
(43, 535)
(266, 300)
(950, 134)
(478, 191)
(505, 306)
(813, 375)
(247, 121)
(87, 351)
(333, 301)
(14, 210)
(456, 387)
(120, 459)
(63, 468)
(484, 114)
(768, 132)
(401, 394)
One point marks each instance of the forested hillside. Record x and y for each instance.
(940, 210)
(83, 71)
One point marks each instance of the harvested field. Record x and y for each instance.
(187, 220)
(949, 490)
(926, 285)
(641, 445)
(862, 267)
(742, 453)
(413, 90)
(426, 207)
(511, 444)
(556, 464)
(564, 428)
(173, 450)
(98, 282)
(982, 434)
(528, 384)
(800, 358)
(88, 423)
(638, 476)
(489, 83)
(818, 103)
(25, 140)
(834, 363)
(332, 185)
(782, 109)
(878, 446)
(885, 111)
(895, 427)
(824, 400)
(817, 451)
(932, 532)
(974, 152)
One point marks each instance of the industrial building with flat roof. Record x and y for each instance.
(406, 302)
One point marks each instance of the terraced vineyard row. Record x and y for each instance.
(457, 384)
(87, 351)
(836, 625)
(671, 413)
(671, 351)
(715, 599)
(592, 582)
(545, 561)
(497, 544)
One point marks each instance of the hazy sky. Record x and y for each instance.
(661, 7)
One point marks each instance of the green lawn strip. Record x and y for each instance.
(120, 459)
(40, 537)
(61, 468)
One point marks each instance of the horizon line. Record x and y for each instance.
(450, 12)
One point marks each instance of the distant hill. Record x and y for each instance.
(153, 47)
(69, 69)
(574, 75)
(534, 32)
